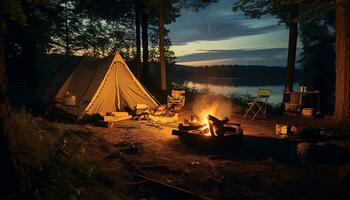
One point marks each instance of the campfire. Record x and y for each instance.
(206, 124)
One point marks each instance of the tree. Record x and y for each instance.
(288, 12)
(145, 51)
(292, 48)
(167, 11)
(342, 70)
(11, 11)
(138, 11)
(161, 46)
(312, 8)
(25, 43)
(9, 163)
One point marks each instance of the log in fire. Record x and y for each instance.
(212, 126)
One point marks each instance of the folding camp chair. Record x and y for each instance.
(258, 104)
(176, 100)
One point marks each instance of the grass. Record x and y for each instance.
(48, 174)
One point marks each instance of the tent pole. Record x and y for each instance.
(117, 84)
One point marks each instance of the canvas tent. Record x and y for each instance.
(104, 85)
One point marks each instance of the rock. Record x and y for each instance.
(302, 149)
(326, 153)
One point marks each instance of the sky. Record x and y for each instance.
(216, 35)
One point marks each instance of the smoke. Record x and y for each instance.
(217, 106)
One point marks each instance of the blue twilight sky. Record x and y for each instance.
(216, 35)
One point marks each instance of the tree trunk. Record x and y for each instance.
(342, 69)
(67, 32)
(29, 62)
(145, 47)
(9, 180)
(138, 40)
(292, 47)
(161, 47)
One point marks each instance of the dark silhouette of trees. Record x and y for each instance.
(9, 180)
(145, 50)
(104, 27)
(250, 75)
(29, 17)
(138, 10)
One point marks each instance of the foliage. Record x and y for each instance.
(12, 10)
(154, 48)
(105, 27)
(306, 9)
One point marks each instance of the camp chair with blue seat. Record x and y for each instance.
(258, 104)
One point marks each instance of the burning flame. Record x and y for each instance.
(204, 113)
(208, 110)
(206, 105)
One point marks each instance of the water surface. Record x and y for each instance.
(227, 90)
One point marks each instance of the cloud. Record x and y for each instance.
(271, 57)
(218, 22)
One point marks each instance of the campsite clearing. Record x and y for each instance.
(135, 160)
(261, 167)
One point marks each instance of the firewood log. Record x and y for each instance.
(211, 129)
(230, 129)
(217, 122)
(216, 126)
(182, 127)
(119, 114)
(191, 123)
(178, 132)
(161, 107)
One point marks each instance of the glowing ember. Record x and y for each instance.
(207, 134)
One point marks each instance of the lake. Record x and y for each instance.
(227, 90)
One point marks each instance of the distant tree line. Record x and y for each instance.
(250, 75)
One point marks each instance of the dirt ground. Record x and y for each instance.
(261, 165)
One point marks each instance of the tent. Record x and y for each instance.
(104, 85)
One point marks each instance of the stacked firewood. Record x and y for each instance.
(114, 116)
(159, 113)
(108, 119)
(213, 127)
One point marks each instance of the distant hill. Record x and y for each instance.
(231, 74)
